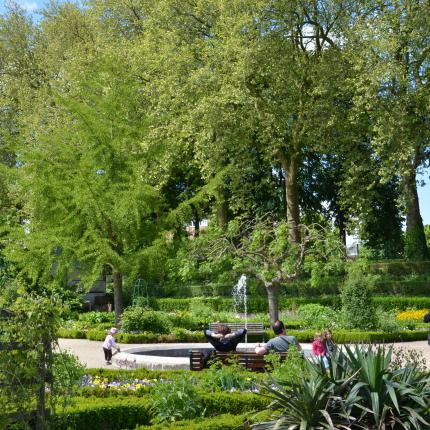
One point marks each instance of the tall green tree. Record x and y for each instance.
(88, 185)
(393, 43)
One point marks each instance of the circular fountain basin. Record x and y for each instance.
(163, 356)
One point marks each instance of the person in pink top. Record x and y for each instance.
(319, 350)
(110, 343)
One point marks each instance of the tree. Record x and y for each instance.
(90, 196)
(261, 247)
(393, 43)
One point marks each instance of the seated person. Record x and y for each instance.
(280, 343)
(223, 339)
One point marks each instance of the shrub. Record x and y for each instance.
(67, 371)
(317, 316)
(358, 310)
(106, 413)
(227, 378)
(141, 319)
(176, 401)
(288, 371)
(98, 317)
(96, 334)
(70, 333)
(222, 422)
(387, 322)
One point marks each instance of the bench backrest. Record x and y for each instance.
(251, 327)
(249, 360)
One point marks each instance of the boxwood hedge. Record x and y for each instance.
(128, 412)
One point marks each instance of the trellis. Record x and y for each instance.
(39, 383)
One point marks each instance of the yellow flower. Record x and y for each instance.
(416, 315)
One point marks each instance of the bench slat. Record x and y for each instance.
(249, 360)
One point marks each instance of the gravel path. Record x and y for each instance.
(90, 352)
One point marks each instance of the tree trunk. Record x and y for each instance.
(221, 208)
(342, 226)
(415, 246)
(118, 295)
(272, 289)
(196, 223)
(290, 164)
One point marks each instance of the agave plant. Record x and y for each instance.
(360, 391)
(300, 406)
(380, 398)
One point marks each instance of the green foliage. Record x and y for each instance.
(98, 317)
(289, 370)
(141, 319)
(114, 413)
(358, 309)
(359, 391)
(227, 378)
(387, 322)
(317, 316)
(67, 371)
(222, 422)
(176, 401)
(32, 330)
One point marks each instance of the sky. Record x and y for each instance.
(32, 6)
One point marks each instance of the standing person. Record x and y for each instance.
(110, 343)
(328, 342)
(280, 343)
(223, 339)
(319, 350)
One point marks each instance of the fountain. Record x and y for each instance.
(240, 299)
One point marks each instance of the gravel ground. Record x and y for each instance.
(91, 354)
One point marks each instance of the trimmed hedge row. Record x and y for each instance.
(128, 412)
(256, 305)
(341, 336)
(401, 267)
(105, 413)
(221, 422)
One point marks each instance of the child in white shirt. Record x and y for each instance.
(110, 343)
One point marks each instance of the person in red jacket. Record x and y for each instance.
(319, 350)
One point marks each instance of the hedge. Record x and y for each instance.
(343, 336)
(401, 267)
(256, 305)
(301, 335)
(105, 413)
(127, 412)
(221, 422)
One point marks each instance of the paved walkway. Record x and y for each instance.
(90, 352)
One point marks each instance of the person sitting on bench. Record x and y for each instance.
(223, 339)
(280, 343)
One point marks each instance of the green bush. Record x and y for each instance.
(137, 319)
(358, 309)
(387, 322)
(96, 334)
(317, 316)
(175, 401)
(401, 267)
(222, 402)
(288, 371)
(67, 371)
(70, 333)
(98, 317)
(226, 378)
(105, 413)
(222, 422)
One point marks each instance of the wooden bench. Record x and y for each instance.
(249, 360)
(251, 328)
